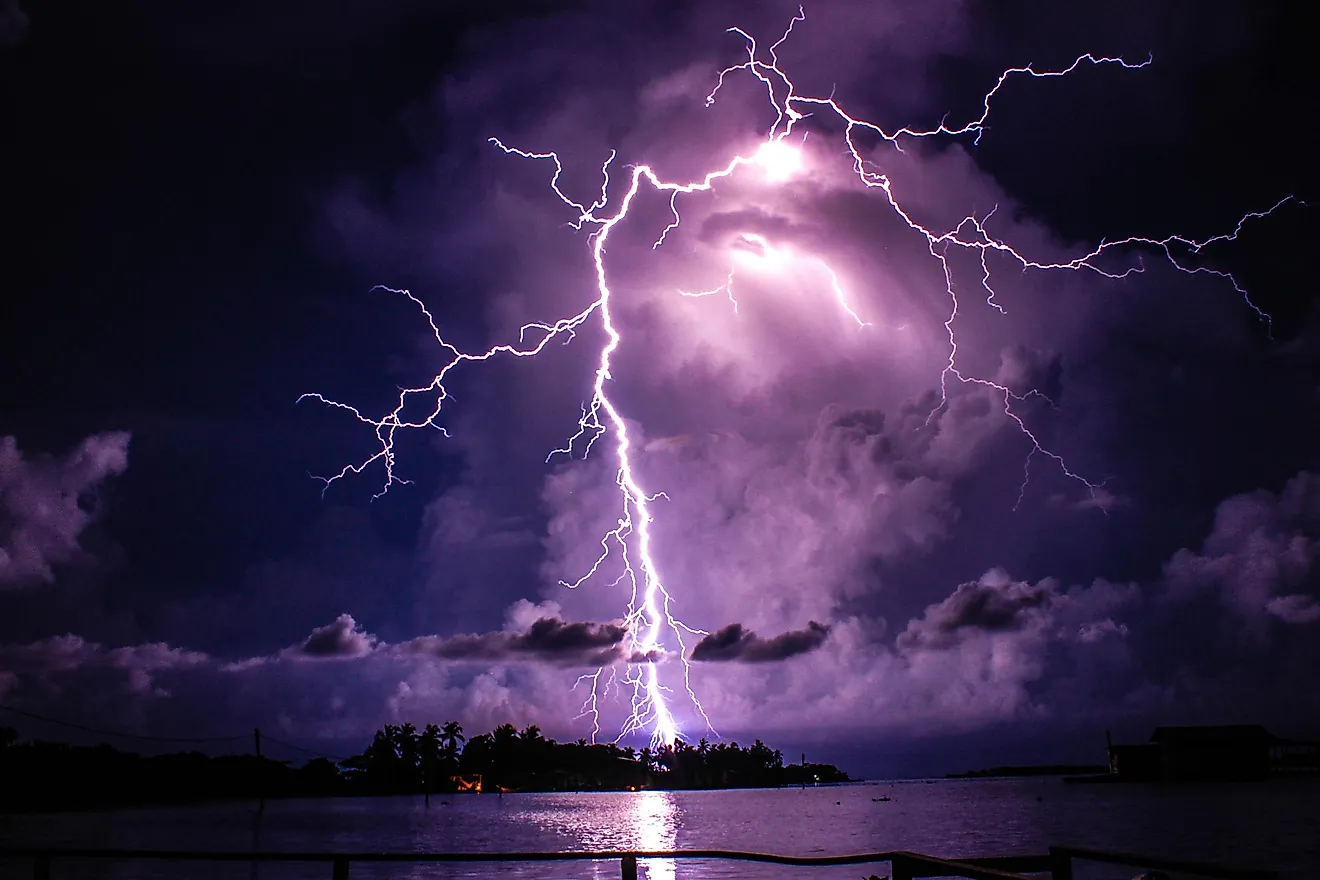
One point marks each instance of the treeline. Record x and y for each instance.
(1030, 770)
(42, 776)
(400, 759)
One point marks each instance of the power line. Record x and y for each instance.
(165, 739)
(120, 733)
(312, 752)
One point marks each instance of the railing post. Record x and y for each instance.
(41, 867)
(340, 868)
(901, 868)
(1060, 864)
(630, 867)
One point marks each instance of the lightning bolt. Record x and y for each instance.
(650, 617)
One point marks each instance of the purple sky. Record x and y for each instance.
(206, 215)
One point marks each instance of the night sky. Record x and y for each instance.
(199, 204)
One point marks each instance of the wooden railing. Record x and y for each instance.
(1062, 857)
(903, 865)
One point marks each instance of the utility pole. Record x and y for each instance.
(261, 772)
(804, 771)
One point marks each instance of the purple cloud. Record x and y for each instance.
(734, 643)
(992, 604)
(341, 638)
(1261, 556)
(1294, 608)
(992, 650)
(548, 639)
(46, 502)
(69, 667)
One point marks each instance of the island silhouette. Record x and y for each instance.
(400, 760)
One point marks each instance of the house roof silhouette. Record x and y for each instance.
(1213, 735)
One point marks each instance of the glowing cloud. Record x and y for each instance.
(650, 627)
(780, 160)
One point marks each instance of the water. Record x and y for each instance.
(1252, 825)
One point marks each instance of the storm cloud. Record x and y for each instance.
(1117, 547)
(540, 639)
(990, 605)
(1260, 558)
(46, 502)
(68, 669)
(990, 651)
(548, 639)
(340, 638)
(734, 643)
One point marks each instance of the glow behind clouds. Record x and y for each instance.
(655, 629)
(780, 160)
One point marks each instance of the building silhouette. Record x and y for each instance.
(1213, 753)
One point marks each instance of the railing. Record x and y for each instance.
(1063, 856)
(903, 865)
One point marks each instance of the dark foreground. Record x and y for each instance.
(1058, 862)
(1268, 825)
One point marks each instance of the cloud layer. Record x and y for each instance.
(990, 651)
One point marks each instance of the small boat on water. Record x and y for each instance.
(880, 800)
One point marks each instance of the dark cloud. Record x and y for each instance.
(990, 605)
(548, 639)
(545, 637)
(341, 638)
(734, 643)
(46, 502)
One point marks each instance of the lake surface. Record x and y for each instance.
(1251, 825)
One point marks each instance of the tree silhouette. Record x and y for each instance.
(408, 745)
(451, 735)
(434, 765)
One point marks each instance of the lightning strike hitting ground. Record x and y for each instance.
(650, 618)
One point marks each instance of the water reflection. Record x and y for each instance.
(597, 822)
(654, 827)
